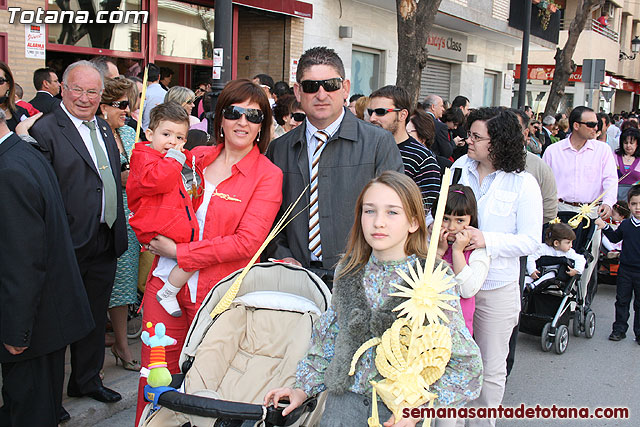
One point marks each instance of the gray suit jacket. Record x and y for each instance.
(355, 154)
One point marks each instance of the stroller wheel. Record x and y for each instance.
(577, 323)
(546, 341)
(562, 339)
(590, 324)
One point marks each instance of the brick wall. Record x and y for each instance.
(21, 67)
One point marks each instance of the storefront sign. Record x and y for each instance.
(297, 8)
(621, 84)
(545, 72)
(294, 70)
(446, 44)
(34, 41)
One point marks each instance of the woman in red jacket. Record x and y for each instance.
(241, 196)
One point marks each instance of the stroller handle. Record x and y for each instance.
(216, 408)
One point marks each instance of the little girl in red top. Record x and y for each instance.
(162, 191)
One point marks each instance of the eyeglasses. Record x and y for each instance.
(329, 85)
(91, 93)
(3, 80)
(190, 101)
(122, 105)
(298, 117)
(475, 137)
(382, 111)
(233, 112)
(590, 125)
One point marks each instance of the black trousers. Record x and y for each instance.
(98, 271)
(627, 285)
(32, 391)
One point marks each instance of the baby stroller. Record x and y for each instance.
(228, 363)
(548, 307)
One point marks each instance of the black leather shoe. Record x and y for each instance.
(102, 394)
(64, 416)
(617, 336)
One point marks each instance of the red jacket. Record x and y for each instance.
(157, 198)
(30, 108)
(234, 229)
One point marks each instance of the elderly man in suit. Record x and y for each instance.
(43, 305)
(47, 85)
(85, 157)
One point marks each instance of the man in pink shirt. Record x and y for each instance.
(584, 168)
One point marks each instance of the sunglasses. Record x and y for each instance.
(382, 111)
(233, 112)
(329, 85)
(298, 117)
(590, 125)
(122, 105)
(3, 80)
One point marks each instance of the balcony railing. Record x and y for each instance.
(595, 26)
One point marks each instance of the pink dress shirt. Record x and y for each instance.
(581, 176)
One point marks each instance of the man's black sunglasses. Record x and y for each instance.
(233, 112)
(589, 124)
(122, 105)
(382, 111)
(329, 85)
(298, 117)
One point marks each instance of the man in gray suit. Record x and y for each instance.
(335, 154)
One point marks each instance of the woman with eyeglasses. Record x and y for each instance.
(186, 98)
(114, 108)
(14, 113)
(509, 227)
(241, 195)
(288, 115)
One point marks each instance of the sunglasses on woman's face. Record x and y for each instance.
(329, 85)
(298, 117)
(3, 80)
(233, 112)
(121, 105)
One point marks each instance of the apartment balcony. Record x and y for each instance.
(593, 25)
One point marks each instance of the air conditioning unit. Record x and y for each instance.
(610, 8)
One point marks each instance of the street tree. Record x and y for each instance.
(564, 62)
(415, 19)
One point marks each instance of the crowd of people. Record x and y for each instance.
(201, 188)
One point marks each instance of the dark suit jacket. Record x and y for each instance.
(79, 179)
(547, 139)
(44, 102)
(442, 146)
(356, 153)
(43, 304)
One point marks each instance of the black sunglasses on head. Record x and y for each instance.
(298, 117)
(329, 85)
(589, 124)
(233, 112)
(122, 105)
(382, 111)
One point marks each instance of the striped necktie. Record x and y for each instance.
(314, 214)
(108, 181)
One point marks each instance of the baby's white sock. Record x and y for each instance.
(166, 296)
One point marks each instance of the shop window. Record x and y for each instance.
(489, 89)
(182, 24)
(123, 36)
(365, 71)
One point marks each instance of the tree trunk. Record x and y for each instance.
(564, 62)
(415, 19)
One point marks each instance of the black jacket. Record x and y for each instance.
(44, 102)
(79, 179)
(43, 304)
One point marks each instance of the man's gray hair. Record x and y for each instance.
(83, 63)
(430, 101)
(549, 121)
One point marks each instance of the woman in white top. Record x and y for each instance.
(509, 227)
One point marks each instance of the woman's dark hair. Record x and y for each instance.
(10, 103)
(629, 124)
(506, 151)
(425, 128)
(622, 207)
(236, 92)
(560, 231)
(460, 201)
(633, 133)
(454, 115)
(282, 108)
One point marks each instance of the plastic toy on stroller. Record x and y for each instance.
(548, 307)
(228, 363)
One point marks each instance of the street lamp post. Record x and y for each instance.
(222, 38)
(524, 60)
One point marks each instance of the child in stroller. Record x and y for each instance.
(558, 242)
